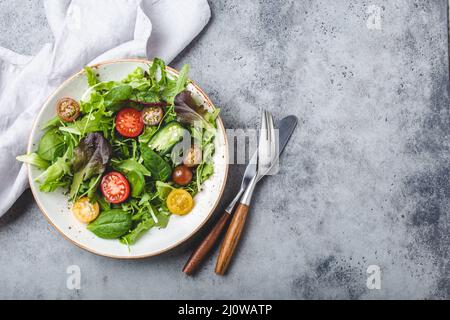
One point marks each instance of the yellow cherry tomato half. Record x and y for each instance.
(85, 211)
(180, 202)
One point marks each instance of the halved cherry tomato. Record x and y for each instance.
(68, 109)
(182, 175)
(115, 187)
(129, 123)
(152, 116)
(85, 211)
(193, 157)
(180, 202)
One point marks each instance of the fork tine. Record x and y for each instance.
(262, 138)
(272, 136)
(268, 125)
(274, 148)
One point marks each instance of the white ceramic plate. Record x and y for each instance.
(55, 205)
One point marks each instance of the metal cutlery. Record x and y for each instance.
(266, 157)
(286, 128)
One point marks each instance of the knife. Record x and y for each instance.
(286, 128)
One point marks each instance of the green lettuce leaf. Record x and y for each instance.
(35, 160)
(91, 76)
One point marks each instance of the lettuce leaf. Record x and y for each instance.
(91, 76)
(90, 159)
(35, 160)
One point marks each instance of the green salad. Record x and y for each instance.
(130, 153)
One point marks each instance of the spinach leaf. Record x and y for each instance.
(145, 225)
(137, 232)
(131, 165)
(90, 158)
(137, 183)
(51, 145)
(111, 224)
(35, 160)
(159, 168)
(117, 95)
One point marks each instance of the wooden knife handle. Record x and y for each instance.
(206, 245)
(231, 239)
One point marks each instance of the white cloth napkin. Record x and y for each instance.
(85, 31)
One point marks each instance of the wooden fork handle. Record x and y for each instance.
(199, 255)
(231, 239)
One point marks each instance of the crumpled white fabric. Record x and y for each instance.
(85, 32)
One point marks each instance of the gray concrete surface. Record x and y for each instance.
(365, 180)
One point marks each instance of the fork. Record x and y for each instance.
(266, 157)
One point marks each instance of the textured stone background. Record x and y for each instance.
(365, 179)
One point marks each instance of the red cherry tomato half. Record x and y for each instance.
(129, 123)
(115, 187)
